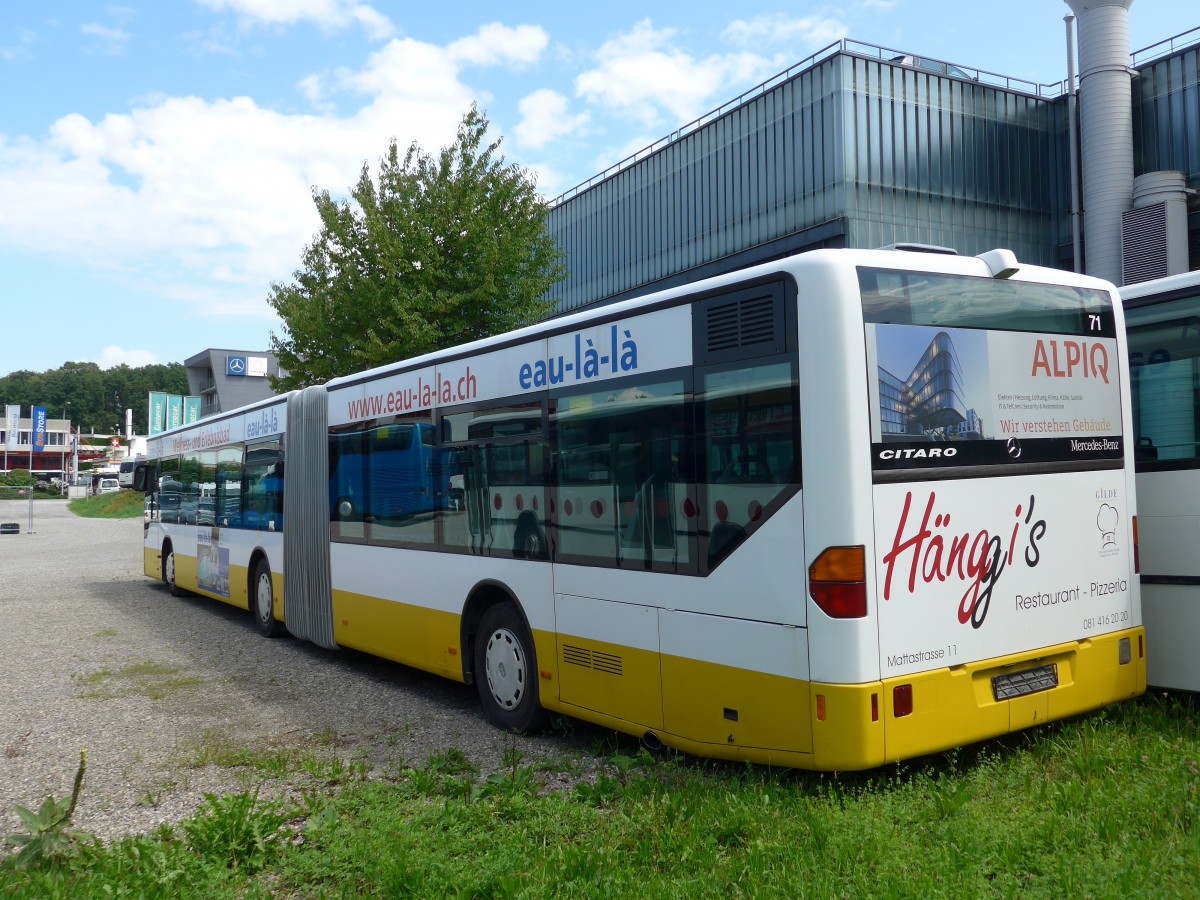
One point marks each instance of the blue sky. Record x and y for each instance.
(156, 159)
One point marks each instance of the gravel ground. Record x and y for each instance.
(95, 655)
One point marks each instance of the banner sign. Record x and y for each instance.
(191, 410)
(174, 411)
(158, 413)
(12, 427)
(39, 428)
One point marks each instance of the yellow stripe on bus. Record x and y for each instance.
(403, 632)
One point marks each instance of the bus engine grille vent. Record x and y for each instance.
(741, 324)
(593, 659)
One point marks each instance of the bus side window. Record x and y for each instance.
(347, 486)
(229, 487)
(1164, 357)
(400, 481)
(750, 444)
(492, 481)
(262, 487)
(167, 490)
(624, 494)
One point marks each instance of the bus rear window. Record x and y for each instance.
(897, 297)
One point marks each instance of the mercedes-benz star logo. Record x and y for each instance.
(1014, 448)
(237, 365)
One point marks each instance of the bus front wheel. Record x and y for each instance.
(506, 671)
(263, 601)
(169, 572)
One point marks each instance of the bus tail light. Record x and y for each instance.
(837, 582)
(902, 700)
(1137, 560)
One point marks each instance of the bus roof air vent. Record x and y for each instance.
(922, 248)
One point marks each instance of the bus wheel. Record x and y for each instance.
(169, 572)
(506, 671)
(262, 601)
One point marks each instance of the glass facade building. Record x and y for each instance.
(928, 403)
(855, 148)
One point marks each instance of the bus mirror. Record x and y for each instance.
(139, 478)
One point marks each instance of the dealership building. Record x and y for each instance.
(866, 146)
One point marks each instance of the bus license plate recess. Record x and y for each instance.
(1029, 681)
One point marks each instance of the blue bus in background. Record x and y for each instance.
(388, 474)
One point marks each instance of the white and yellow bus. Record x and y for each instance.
(1163, 321)
(828, 512)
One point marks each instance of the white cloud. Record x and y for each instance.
(544, 118)
(113, 356)
(112, 39)
(426, 74)
(642, 73)
(331, 15)
(810, 32)
(496, 44)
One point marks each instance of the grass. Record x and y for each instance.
(150, 679)
(121, 505)
(1104, 805)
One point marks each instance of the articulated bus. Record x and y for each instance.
(828, 512)
(1163, 322)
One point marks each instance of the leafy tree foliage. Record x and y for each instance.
(94, 399)
(441, 250)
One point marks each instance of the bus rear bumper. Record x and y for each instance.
(945, 708)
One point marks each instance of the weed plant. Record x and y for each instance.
(1104, 805)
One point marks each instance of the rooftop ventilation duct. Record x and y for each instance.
(1106, 126)
(1154, 238)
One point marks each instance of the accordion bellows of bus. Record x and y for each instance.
(829, 512)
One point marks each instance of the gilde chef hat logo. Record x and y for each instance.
(1106, 520)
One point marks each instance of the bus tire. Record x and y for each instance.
(168, 572)
(262, 601)
(506, 672)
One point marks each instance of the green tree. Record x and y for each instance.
(91, 397)
(441, 250)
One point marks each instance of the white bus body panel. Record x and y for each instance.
(835, 440)
(439, 581)
(1169, 540)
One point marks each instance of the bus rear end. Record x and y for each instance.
(1001, 562)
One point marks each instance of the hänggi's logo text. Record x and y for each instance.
(934, 551)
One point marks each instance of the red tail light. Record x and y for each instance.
(837, 582)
